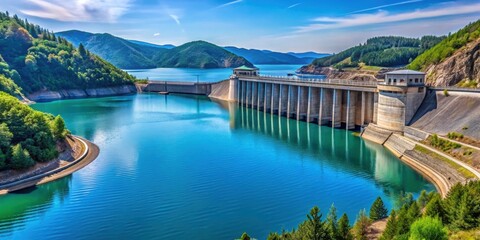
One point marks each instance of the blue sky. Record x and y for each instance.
(290, 25)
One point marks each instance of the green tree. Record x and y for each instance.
(403, 223)
(245, 236)
(5, 136)
(344, 228)
(317, 229)
(423, 199)
(332, 225)
(58, 127)
(413, 212)
(435, 208)
(391, 229)
(378, 210)
(81, 50)
(3, 158)
(361, 225)
(428, 228)
(20, 158)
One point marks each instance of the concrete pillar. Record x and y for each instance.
(268, 97)
(248, 93)
(280, 100)
(351, 109)
(302, 103)
(314, 103)
(293, 101)
(375, 107)
(289, 97)
(362, 117)
(337, 108)
(299, 97)
(309, 103)
(274, 101)
(243, 93)
(261, 95)
(233, 90)
(284, 100)
(321, 106)
(254, 94)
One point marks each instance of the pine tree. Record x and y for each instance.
(413, 213)
(245, 236)
(81, 50)
(317, 228)
(435, 208)
(361, 225)
(332, 226)
(423, 199)
(391, 229)
(403, 224)
(344, 228)
(378, 210)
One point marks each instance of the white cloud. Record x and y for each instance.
(175, 18)
(387, 5)
(293, 5)
(323, 23)
(78, 10)
(229, 3)
(156, 34)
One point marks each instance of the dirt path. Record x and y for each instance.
(84, 160)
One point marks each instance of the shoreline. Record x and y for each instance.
(91, 152)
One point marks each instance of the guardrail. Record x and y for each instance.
(456, 89)
(314, 80)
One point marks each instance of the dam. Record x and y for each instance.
(389, 105)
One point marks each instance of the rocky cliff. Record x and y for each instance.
(332, 73)
(45, 96)
(463, 65)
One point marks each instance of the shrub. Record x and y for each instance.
(445, 93)
(428, 228)
(20, 158)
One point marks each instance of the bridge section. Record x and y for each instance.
(323, 101)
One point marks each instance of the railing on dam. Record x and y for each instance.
(342, 82)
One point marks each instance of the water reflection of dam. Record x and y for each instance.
(336, 147)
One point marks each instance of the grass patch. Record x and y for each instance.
(473, 234)
(466, 173)
(141, 81)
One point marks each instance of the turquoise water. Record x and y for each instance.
(184, 167)
(205, 75)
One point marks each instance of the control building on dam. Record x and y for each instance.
(389, 104)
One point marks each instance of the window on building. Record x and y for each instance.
(416, 80)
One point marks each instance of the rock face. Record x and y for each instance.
(45, 96)
(463, 64)
(332, 73)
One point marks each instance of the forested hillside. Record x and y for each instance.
(199, 54)
(120, 52)
(26, 136)
(380, 51)
(35, 59)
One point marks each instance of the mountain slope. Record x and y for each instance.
(199, 54)
(35, 59)
(270, 57)
(120, 52)
(165, 46)
(453, 61)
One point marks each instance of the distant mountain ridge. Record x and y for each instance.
(270, 57)
(133, 54)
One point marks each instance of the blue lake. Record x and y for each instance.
(184, 167)
(205, 75)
